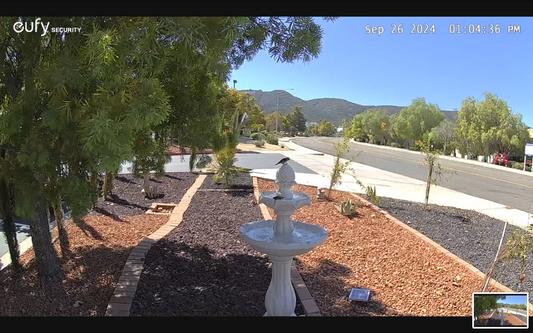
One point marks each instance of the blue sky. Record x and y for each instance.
(514, 300)
(393, 69)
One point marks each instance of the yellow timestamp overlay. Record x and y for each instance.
(453, 29)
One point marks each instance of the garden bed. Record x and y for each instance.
(406, 275)
(127, 198)
(472, 236)
(243, 181)
(100, 246)
(203, 268)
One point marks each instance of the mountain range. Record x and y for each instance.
(315, 110)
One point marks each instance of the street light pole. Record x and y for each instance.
(277, 107)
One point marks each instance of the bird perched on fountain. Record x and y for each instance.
(283, 161)
(278, 197)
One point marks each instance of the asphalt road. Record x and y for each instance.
(500, 186)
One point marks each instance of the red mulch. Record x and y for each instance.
(100, 247)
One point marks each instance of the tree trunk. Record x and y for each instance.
(445, 144)
(9, 227)
(94, 188)
(108, 184)
(146, 182)
(61, 228)
(192, 158)
(45, 254)
(428, 182)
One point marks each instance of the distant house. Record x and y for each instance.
(340, 129)
(530, 132)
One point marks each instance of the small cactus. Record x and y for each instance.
(347, 208)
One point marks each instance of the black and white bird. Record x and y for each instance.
(283, 161)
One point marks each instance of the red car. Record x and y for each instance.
(501, 159)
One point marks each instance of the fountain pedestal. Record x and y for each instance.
(280, 298)
(281, 240)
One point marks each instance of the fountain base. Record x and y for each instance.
(280, 299)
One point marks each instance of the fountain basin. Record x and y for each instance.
(305, 237)
(298, 200)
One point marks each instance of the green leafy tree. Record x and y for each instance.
(80, 104)
(255, 114)
(356, 130)
(313, 129)
(71, 109)
(482, 303)
(326, 128)
(444, 134)
(298, 119)
(417, 120)
(271, 120)
(375, 123)
(489, 126)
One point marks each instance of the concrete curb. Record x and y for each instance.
(449, 158)
(120, 303)
(436, 245)
(308, 303)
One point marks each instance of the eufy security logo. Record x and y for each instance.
(39, 26)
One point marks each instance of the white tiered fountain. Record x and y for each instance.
(283, 239)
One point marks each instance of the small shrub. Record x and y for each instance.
(272, 139)
(395, 145)
(347, 208)
(370, 192)
(517, 165)
(226, 173)
(257, 136)
(259, 143)
(282, 146)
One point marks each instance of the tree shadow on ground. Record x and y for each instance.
(122, 202)
(125, 179)
(173, 177)
(109, 214)
(240, 194)
(89, 277)
(88, 229)
(326, 285)
(180, 280)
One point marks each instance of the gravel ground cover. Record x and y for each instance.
(243, 181)
(203, 268)
(127, 198)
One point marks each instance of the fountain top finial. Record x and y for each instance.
(285, 178)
